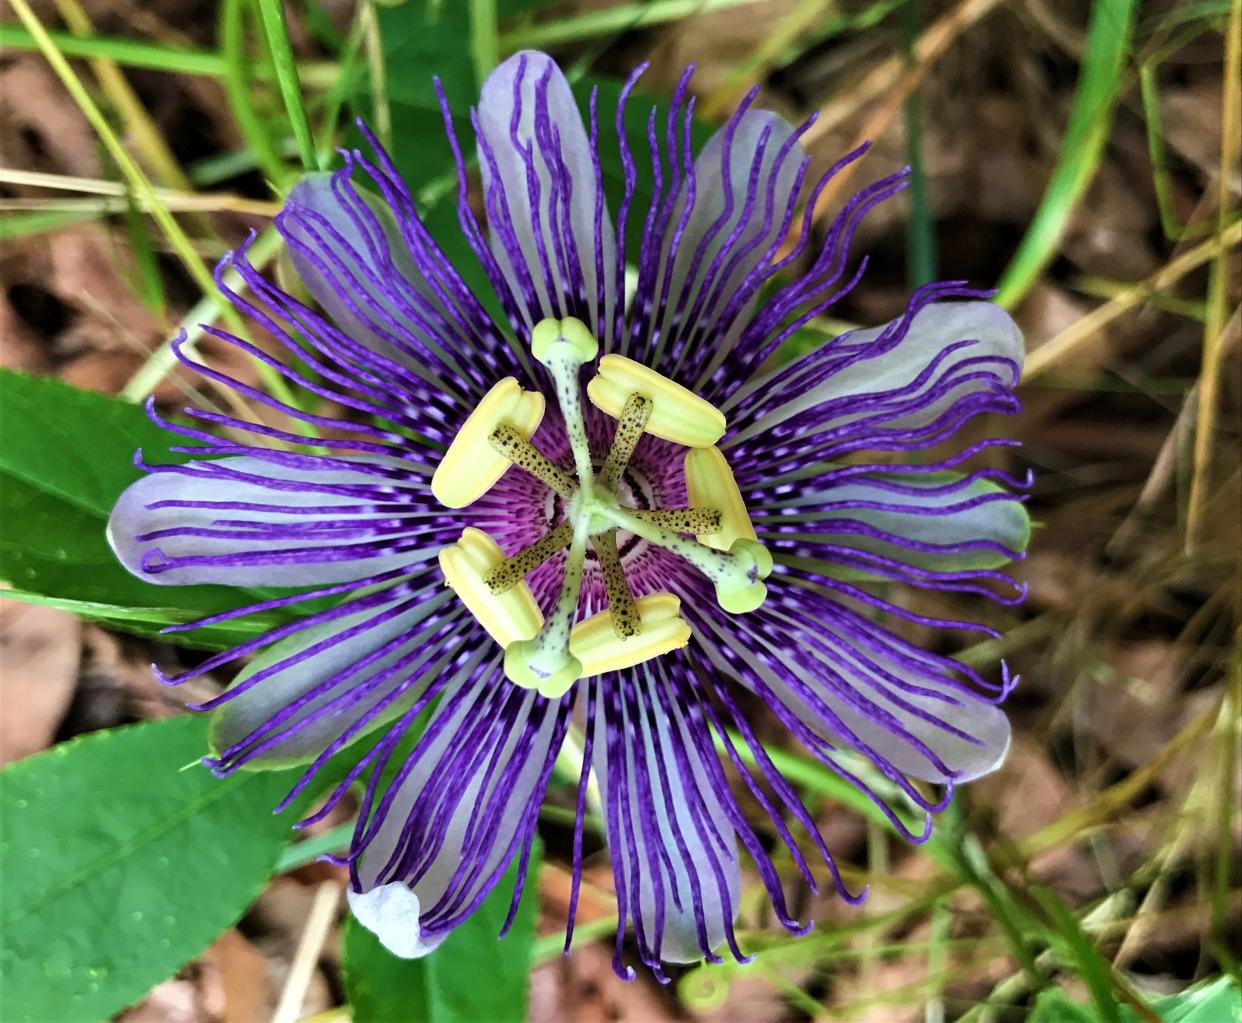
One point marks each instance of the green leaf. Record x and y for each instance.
(149, 621)
(72, 444)
(121, 863)
(65, 457)
(1054, 1006)
(472, 976)
(381, 988)
(53, 553)
(637, 109)
(1211, 1001)
(420, 39)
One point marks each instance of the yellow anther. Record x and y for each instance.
(710, 484)
(596, 644)
(508, 617)
(676, 414)
(471, 466)
(570, 337)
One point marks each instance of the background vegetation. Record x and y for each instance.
(1082, 157)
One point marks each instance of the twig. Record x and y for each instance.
(616, 19)
(133, 173)
(205, 202)
(1082, 330)
(887, 79)
(302, 969)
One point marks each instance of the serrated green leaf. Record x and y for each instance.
(121, 863)
(73, 444)
(149, 621)
(473, 976)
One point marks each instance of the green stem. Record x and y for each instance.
(310, 849)
(921, 228)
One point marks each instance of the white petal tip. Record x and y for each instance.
(391, 912)
(991, 757)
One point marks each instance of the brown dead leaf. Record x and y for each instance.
(51, 135)
(1191, 119)
(174, 1001)
(1139, 709)
(235, 986)
(40, 650)
(880, 991)
(67, 297)
(582, 988)
(1027, 793)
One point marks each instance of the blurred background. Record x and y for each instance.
(1084, 157)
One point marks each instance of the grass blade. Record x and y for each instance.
(133, 174)
(484, 38)
(238, 90)
(1108, 42)
(126, 52)
(138, 53)
(273, 14)
(1077, 950)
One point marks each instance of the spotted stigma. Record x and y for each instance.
(550, 654)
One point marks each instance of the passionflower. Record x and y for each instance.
(623, 512)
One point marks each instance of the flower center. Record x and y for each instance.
(550, 654)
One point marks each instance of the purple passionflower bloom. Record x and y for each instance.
(694, 539)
